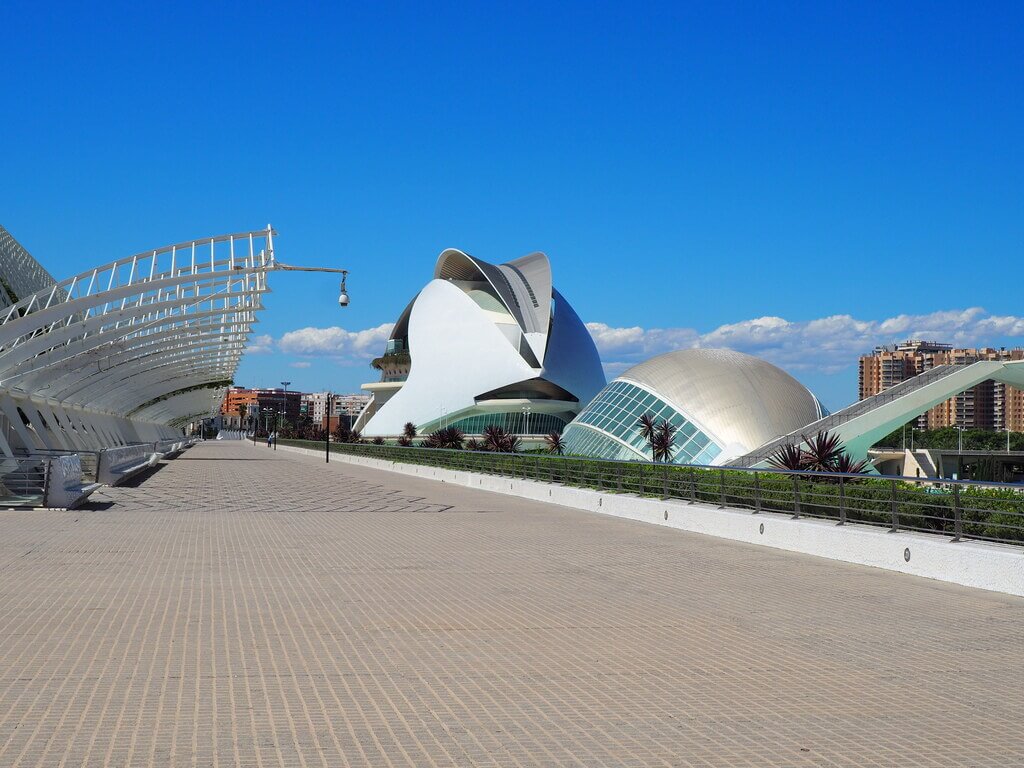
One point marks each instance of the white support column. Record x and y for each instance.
(10, 409)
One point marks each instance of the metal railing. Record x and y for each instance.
(960, 509)
(90, 459)
(849, 413)
(23, 480)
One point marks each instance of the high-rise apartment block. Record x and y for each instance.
(989, 405)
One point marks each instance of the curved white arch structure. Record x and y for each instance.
(485, 344)
(127, 352)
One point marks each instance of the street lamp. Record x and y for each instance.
(526, 426)
(343, 296)
(327, 427)
(284, 412)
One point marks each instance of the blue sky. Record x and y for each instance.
(799, 181)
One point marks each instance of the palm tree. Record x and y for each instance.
(448, 437)
(663, 442)
(554, 442)
(822, 451)
(452, 438)
(511, 443)
(492, 437)
(405, 441)
(846, 464)
(409, 430)
(378, 440)
(788, 456)
(242, 410)
(473, 445)
(647, 426)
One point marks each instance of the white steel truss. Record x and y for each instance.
(132, 350)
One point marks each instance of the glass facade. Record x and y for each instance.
(616, 410)
(514, 422)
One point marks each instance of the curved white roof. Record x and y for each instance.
(737, 399)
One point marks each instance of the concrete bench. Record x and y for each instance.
(168, 449)
(65, 488)
(119, 464)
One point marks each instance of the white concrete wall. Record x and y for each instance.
(973, 564)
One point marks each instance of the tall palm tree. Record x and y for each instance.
(647, 426)
(663, 442)
(554, 442)
(409, 430)
(242, 410)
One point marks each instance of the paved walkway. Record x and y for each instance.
(247, 608)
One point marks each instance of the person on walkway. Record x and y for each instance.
(270, 438)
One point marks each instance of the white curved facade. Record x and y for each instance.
(128, 352)
(723, 404)
(485, 344)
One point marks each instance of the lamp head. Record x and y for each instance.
(343, 296)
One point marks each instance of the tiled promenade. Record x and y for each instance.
(247, 608)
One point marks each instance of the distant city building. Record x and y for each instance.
(989, 405)
(319, 406)
(261, 404)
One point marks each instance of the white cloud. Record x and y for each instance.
(338, 344)
(260, 345)
(826, 344)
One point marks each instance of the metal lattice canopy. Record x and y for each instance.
(153, 338)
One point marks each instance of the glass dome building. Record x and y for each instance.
(723, 404)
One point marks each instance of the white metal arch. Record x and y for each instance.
(132, 349)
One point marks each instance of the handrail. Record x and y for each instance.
(975, 509)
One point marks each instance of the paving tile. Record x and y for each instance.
(245, 607)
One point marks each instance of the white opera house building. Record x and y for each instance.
(484, 344)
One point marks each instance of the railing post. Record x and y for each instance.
(640, 489)
(664, 482)
(796, 496)
(757, 493)
(842, 501)
(958, 514)
(721, 489)
(618, 477)
(894, 513)
(693, 485)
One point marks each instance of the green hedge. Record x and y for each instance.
(994, 513)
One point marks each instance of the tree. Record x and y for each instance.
(378, 440)
(409, 430)
(787, 456)
(405, 441)
(822, 451)
(647, 426)
(663, 442)
(554, 443)
(242, 410)
(498, 440)
(846, 465)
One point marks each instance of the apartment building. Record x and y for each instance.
(989, 405)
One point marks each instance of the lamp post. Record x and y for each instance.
(327, 428)
(526, 419)
(284, 412)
